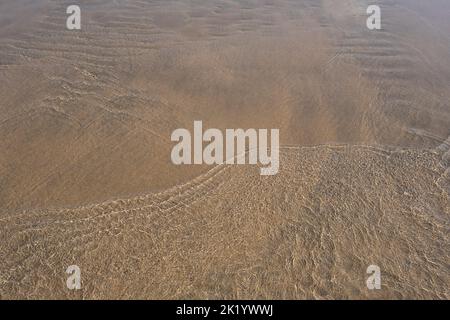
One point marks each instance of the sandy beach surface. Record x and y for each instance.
(86, 176)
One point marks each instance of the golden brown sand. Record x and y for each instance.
(86, 116)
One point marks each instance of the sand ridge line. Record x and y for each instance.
(180, 191)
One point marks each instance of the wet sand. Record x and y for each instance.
(86, 177)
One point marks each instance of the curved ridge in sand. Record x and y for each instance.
(309, 232)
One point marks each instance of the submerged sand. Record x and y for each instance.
(86, 117)
(310, 232)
